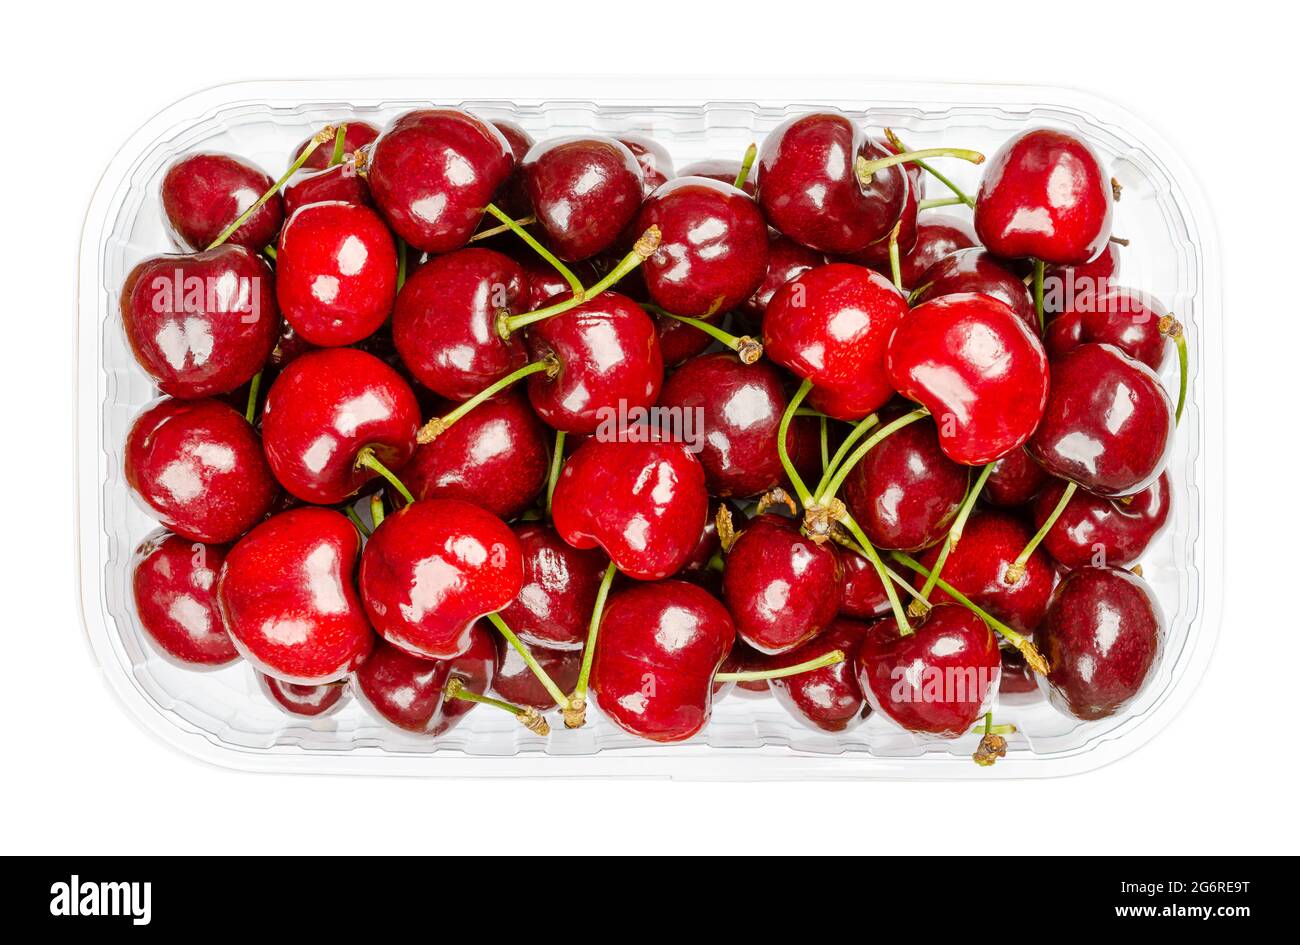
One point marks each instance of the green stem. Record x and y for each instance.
(557, 462)
(576, 714)
(842, 471)
(866, 169)
(988, 728)
(746, 164)
(895, 261)
(503, 228)
(366, 459)
(932, 202)
(377, 509)
(783, 453)
(1172, 329)
(339, 135)
(529, 717)
(897, 578)
(253, 387)
(859, 430)
(807, 666)
(1039, 268)
(439, 425)
(1016, 570)
(941, 178)
(355, 519)
(748, 348)
(542, 675)
(575, 284)
(896, 605)
(958, 527)
(401, 262)
(826, 447)
(271, 253)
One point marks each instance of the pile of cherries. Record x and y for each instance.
(549, 423)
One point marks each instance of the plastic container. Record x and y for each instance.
(224, 718)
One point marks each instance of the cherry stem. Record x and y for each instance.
(1039, 268)
(1016, 570)
(366, 459)
(253, 387)
(827, 493)
(895, 261)
(557, 461)
(897, 578)
(377, 509)
(826, 447)
(941, 178)
(339, 135)
(542, 675)
(401, 262)
(643, 249)
(1172, 328)
(503, 228)
(575, 284)
(932, 202)
(271, 253)
(955, 533)
(896, 605)
(529, 717)
(746, 164)
(784, 454)
(576, 713)
(1026, 648)
(436, 426)
(355, 519)
(749, 349)
(858, 431)
(807, 666)
(325, 134)
(988, 728)
(866, 169)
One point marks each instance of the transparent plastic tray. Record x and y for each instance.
(222, 717)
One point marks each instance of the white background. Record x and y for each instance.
(77, 776)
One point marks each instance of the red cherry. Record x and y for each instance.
(828, 699)
(198, 468)
(679, 341)
(433, 568)
(1014, 480)
(1096, 530)
(657, 652)
(173, 582)
(786, 259)
(356, 135)
(655, 161)
(876, 255)
(203, 324)
(410, 693)
(202, 194)
(512, 197)
(864, 594)
(287, 598)
(937, 235)
(1124, 318)
(584, 191)
(723, 170)
(554, 605)
(1044, 195)
(432, 173)
(338, 184)
(311, 702)
(977, 270)
(1063, 285)
(977, 368)
(644, 503)
(742, 658)
(516, 683)
(323, 410)
(1017, 676)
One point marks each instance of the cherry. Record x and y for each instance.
(559, 589)
(1064, 285)
(654, 159)
(831, 326)
(198, 468)
(713, 252)
(977, 270)
(1129, 320)
(722, 170)
(644, 503)
(829, 699)
(877, 255)
(1102, 636)
(1017, 676)
(937, 235)
(287, 598)
(1045, 195)
(309, 701)
(905, 492)
(584, 191)
(517, 683)
(356, 135)
(743, 658)
(1014, 480)
(546, 285)
(513, 194)
(810, 189)
(699, 567)
(786, 259)
(680, 340)
(433, 172)
(781, 587)
(338, 184)
(203, 324)
(659, 647)
(935, 680)
(336, 273)
(433, 568)
(977, 566)
(411, 693)
(977, 368)
(172, 581)
(1095, 530)
(202, 194)
(334, 420)
(864, 594)
(1109, 425)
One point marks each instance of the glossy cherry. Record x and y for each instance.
(1102, 637)
(203, 324)
(1044, 195)
(721, 169)
(937, 235)
(655, 161)
(433, 568)
(1017, 676)
(287, 598)
(323, 410)
(198, 468)
(828, 699)
(204, 193)
(644, 503)
(977, 368)
(356, 135)
(173, 582)
(679, 341)
(311, 702)
(338, 184)
(1064, 286)
(554, 605)
(1124, 318)
(876, 255)
(1095, 530)
(786, 259)
(516, 683)
(659, 647)
(584, 191)
(1109, 424)
(864, 594)
(433, 171)
(781, 587)
(512, 197)
(1014, 480)
(977, 270)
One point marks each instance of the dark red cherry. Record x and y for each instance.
(197, 467)
(311, 702)
(203, 324)
(936, 680)
(496, 456)
(513, 195)
(410, 693)
(977, 368)
(786, 259)
(444, 321)
(876, 255)
(1065, 286)
(546, 285)
(1014, 480)
(905, 492)
(697, 567)
(335, 273)
(864, 594)
(433, 568)
(287, 598)
(432, 173)
(323, 410)
(1127, 319)
(977, 270)
(202, 194)
(723, 170)
(553, 607)
(609, 362)
(655, 161)
(659, 647)
(516, 683)
(1102, 636)
(1095, 530)
(1109, 424)
(679, 341)
(173, 581)
(831, 325)
(809, 189)
(713, 252)
(1044, 195)
(584, 191)
(356, 135)
(828, 699)
(937, 235)
(644, 503)
(338, 184)
(977, 567)
(781, 587)
(1017, 676)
